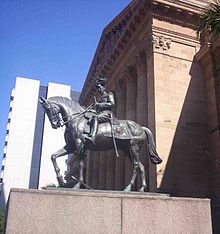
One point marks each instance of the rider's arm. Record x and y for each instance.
(111, 99)
(107, 105)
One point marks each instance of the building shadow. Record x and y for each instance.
(37, 143)
(189, 168)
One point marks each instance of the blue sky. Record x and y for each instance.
(49, 40)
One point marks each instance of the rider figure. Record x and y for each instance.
(103, 108)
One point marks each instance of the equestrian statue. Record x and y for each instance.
(96, 128)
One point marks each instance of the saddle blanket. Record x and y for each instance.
(120, 130)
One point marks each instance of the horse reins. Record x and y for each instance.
(78, 115)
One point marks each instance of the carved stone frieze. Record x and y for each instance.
(110, 38)
(161, 42)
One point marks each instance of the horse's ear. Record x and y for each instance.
(42, 100)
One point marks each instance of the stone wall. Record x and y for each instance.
(212, 94)
(180, 112)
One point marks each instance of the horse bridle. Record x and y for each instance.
(60, 120)
(55, 115)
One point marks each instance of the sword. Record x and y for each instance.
(113, 137)
(87, 186)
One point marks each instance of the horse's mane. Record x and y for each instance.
(68, 102)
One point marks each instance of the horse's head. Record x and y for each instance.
(53, 112)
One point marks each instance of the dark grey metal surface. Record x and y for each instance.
(107, 134)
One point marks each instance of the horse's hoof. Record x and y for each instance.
(127, 189)
(61, 185)
(60, 181)
(77, 186)
(142, 189)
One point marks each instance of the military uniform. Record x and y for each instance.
(103, 108)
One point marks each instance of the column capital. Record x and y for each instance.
(161, 42)
(120, 87)
(130, 72)
(140, 58)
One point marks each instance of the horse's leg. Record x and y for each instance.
(133, 159)
(129, 186)
(81, 179)
(54, 156)
(135, 148)
(144, 184)
(81, 167)
(134, 154)
(80, 154)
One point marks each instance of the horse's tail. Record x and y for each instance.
(154, 157)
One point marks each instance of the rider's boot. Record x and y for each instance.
(94, 128)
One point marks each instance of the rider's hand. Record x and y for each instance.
(97, 105)
(95, 102)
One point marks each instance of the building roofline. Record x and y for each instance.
(130, 18)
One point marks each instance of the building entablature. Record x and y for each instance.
(118, 34)
(113, 41)
(204, 54)
(194, 6)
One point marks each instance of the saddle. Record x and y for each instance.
(121, 129)
(88, 115)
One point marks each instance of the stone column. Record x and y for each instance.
(142, 106)
(89, 168)
(120, 114)
(131, 93)
(142, 103)
(152, 174)
(110, 170)
(131, 102)
(102, 170)
(95, 173)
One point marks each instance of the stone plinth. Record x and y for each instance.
(67, 211)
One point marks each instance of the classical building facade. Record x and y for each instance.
(30, 139)
(161, 75)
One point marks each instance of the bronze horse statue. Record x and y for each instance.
(125, 134)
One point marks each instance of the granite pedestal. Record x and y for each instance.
(70, 212)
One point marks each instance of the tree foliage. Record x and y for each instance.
(2, 220)
(210, 20)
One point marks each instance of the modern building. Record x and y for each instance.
(30, 139)
(162, 75)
